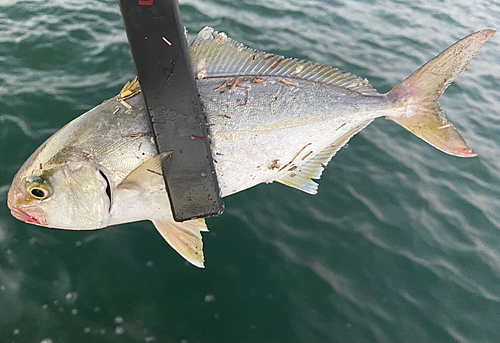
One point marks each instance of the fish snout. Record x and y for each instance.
(28, 214)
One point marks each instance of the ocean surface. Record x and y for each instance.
(401, 244)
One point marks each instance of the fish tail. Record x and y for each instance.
(420, 92)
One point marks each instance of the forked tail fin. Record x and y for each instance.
(421, 90)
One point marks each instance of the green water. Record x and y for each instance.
(400, 245)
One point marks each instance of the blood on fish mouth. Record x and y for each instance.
(28, 218)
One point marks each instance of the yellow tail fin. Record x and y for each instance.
(421, 90)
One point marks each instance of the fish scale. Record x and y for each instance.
(250, 137)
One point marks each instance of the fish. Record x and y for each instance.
(270, 119)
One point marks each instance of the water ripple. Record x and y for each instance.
(24, 126)
(400, 244)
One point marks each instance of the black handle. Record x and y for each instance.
(161, 58)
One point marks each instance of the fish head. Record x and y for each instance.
(70, 195)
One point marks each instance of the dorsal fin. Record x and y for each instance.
(214, 54)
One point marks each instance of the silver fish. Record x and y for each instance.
(270, 118)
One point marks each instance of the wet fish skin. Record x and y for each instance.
(270, 119)
(247, 137)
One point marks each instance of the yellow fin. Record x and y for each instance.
(145, 173)
(130, 89)
(300, 181)
(300, 177)
(420, 92)
(184, 237)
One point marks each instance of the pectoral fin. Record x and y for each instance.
(140, 176)
(184, 237)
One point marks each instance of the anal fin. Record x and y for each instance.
(300, 177)
(184, 237)
(300, 181)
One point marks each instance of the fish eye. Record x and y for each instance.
(38, 187)
(38, 193)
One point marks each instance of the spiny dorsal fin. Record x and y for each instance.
(130, 89)
(214, 54)
(300, 177)
(184, 237)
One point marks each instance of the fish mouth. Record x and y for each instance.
(28, 218)
(28, 214)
